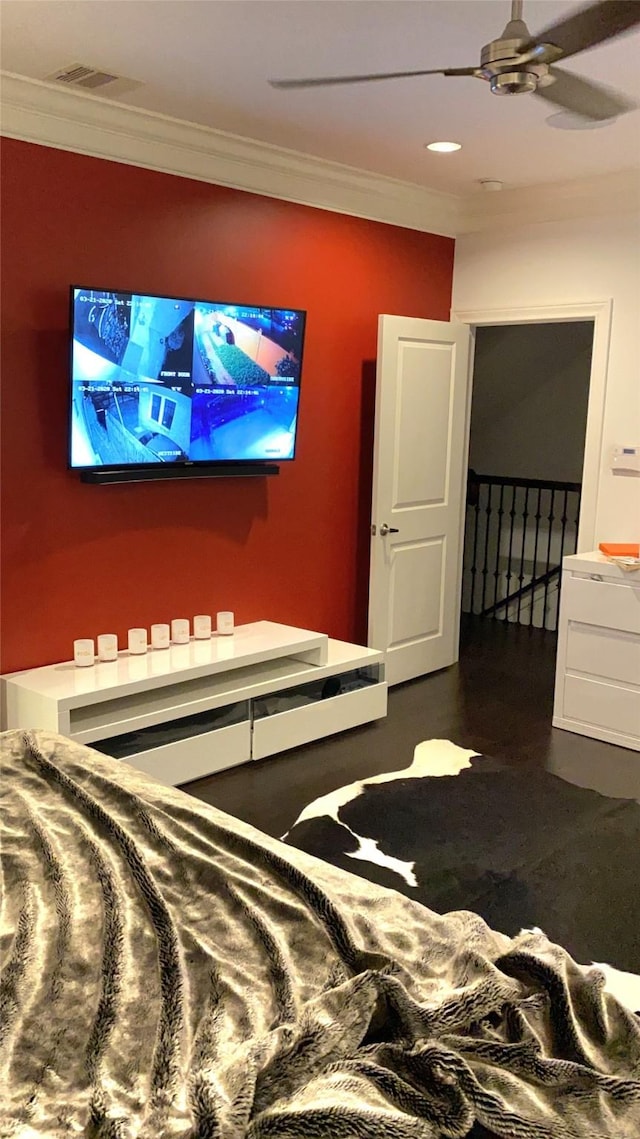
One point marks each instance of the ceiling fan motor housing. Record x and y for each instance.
(501, 63)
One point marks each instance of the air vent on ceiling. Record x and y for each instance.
(92, 79)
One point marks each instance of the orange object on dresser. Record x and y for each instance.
(620, 549)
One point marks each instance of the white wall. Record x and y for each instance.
(575, 261)
(529, 407)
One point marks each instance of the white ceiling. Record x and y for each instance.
(208, 62)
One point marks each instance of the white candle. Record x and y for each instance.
(160, 636)
(84, 652)
(107, 646)
(202, 627)
(180, 631)
(224, 623)
(137, 641)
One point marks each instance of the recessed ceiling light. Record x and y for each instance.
(443, 147)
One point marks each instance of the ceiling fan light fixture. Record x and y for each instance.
(443, 147)
(514, 83)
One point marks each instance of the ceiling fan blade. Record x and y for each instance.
(589, 100)
(584, 29)
(334, 80)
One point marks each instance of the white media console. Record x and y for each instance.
(191, 710)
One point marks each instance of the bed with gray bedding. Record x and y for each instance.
(169, 971)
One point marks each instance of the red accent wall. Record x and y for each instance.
(78, 560)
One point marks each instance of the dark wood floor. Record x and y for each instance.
(497, 700)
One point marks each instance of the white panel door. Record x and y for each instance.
(420, 463)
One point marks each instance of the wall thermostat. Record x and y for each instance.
(625, 458)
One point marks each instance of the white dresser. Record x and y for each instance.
(597, 689)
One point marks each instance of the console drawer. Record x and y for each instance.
(186, 759)
(283, 730)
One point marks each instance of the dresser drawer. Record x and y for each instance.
(601, 603)
(603, 653)
(611, 706)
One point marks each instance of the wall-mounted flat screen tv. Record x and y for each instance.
(161, 380)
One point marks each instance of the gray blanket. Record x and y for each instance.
(169, 971)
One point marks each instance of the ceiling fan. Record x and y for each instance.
(518, 63)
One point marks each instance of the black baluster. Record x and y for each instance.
(564, 524)
(564, 521)
(512, 512)
(525, 515)
(577, 522)
(496, 572)
(474, 565)
(546, 580)
(486, 551)
(535, 546)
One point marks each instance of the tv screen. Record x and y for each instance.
(158, 380)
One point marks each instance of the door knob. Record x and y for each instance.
(384, 530)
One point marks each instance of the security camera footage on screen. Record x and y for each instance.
(162, 380)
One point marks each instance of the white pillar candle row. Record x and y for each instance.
(162, 636)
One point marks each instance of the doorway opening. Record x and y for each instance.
(528, 429)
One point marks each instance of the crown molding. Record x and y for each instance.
(604, 195)
(51, 115)
(44, 113)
